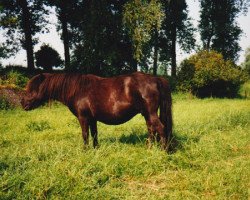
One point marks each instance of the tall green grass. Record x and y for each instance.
(42, 155)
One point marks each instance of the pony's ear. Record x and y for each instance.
(35, 82)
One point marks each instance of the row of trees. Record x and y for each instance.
(112, 37)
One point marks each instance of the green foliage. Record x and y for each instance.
(12, 16)
(208, 74)
(17, 79)
(11, 85)
(3, 53)
(218, 27)
(245, 90)
(101, 44)
(64, 11)
(177, 28)
(211, 161)
(141, 18)
(22, 19)
(5, 104)
(14, 79)
(246, 64)
(47, 57)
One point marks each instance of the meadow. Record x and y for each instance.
(42, 155)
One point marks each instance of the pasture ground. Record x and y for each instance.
(42, 155)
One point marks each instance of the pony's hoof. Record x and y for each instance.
(85, 147)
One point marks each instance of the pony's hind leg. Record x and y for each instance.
(94, 133)
(154, 125)
(151, 134)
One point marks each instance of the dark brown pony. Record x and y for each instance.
(109, 100)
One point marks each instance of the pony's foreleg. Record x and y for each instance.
(94, 133)
(85, 129)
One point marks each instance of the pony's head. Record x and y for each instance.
(34, 95)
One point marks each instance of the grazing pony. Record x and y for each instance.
(109, 100)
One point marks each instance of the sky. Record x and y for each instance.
(54, 40)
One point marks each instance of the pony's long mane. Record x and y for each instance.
(60, 86)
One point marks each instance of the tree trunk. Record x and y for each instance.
(173, 51)
(155, 52)
(26, 19)
(134, 65)
(208, 42)
(65, 36)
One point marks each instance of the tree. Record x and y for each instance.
(142, 19)
(156, 49)
(218, 27)
(101, 44)
(23, 19)
(65, 10)
(47, 57)
(2, 53)
(176, 28)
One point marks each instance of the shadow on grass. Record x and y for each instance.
(133, 138)
(178, 142)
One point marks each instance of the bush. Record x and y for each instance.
(17, 78)
(245, 90)
(172, 82)
(5, 104)
(14, 79)
(10, 98)
(208, 74)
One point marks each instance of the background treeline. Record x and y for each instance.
(121, 36)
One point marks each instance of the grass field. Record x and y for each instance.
(42, 155)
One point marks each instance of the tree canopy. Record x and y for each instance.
(116, 37)
(177, 27)
(22, 19)
(219, 28)
(47, 57)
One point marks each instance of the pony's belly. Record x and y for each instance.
(115, 121)
(111, 119)
(114, 113)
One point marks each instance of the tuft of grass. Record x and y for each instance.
(42, 155)
(38, 126)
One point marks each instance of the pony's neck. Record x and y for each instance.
(57, 89)
(66, 87)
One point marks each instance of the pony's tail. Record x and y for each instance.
(166, 108)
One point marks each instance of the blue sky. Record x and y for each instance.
(53, 38)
